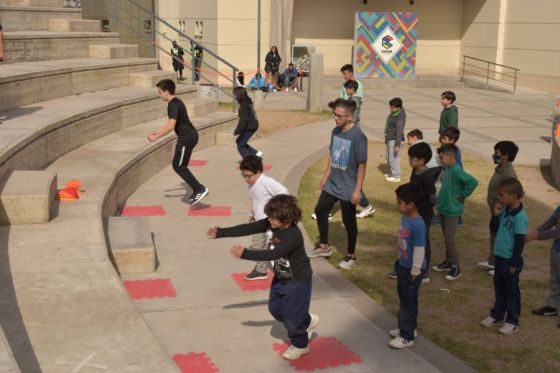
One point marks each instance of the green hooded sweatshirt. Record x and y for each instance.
(456, 185)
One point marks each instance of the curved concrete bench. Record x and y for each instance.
(33, 137)
(31, 82)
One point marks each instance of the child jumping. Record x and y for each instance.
(290, 293)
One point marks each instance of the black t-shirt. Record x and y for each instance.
(426, 180)
(177, 110)
(286, 248)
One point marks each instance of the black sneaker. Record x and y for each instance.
(545, 311)
(392, 274)
(454, 273)
(443, 266)
(461, 222)
(254, 275)
(196, 197)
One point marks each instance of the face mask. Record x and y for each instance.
(496, 158)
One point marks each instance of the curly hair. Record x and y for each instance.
(284, 208)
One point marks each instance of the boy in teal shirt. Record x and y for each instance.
(456, 186)
(510, 225)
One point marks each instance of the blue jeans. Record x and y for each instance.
(408, 299)
(289, 303)
(243, 148)
(506, 288)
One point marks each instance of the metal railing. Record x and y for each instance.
(195, 70)
(490, 71)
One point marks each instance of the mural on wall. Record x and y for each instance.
(385, 45)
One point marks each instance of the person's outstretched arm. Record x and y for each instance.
(240, 230)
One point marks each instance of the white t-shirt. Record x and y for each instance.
(261, 192)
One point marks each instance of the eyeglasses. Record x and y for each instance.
(339, 115)
(247, 176)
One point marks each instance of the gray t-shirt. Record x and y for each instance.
(348, 150)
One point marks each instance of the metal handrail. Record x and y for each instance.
(489, 70)
(154, 17)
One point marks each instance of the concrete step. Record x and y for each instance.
(74, 25)
(30, 82)
(8, 362)
(34, 3)
(113, 51)
(32, 137)
(34, 18)
(150, 78)
(23, 46)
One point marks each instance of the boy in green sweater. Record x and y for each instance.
(504, 155)
(449, 115)
(456, 186)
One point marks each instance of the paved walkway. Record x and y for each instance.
(210, 313)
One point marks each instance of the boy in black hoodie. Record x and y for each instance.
(247, 125)
(394, 135)
(290, 293)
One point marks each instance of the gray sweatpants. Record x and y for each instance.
(554, 286)
(393, 159)
(258, 242)
(449, 229)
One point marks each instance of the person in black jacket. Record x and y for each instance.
(290, 292)
(177, 54)
(272, 65)
(247, 125)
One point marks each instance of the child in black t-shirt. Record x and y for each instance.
(187, 137)
(290, 293)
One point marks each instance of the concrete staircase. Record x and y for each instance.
(77, 104)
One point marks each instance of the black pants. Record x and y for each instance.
(197, 64)
(506, 288)
(243, 147)
(408, 298)
(324, 206)
(427, 216)
(183, 151)
(289, 303)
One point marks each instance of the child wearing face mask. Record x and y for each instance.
(504, 155)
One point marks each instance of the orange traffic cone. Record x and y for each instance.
(70, 192)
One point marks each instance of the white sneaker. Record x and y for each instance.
(318, 251)
(347, 263)
(508, 329)
(489, 321)
(400, 343)
(367, 211)
(486, 265)
(491, 272)
(314, 216)
(396, 332)
(312, 325)
(294, 353)
(393, 179)
(259, 154)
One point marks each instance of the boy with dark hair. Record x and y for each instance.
(187, 138)
(348, 74)
(417, 137)
(456, 186)
(394, 133)
(261, 189)
(177, 55)
(410, 265)
(449, 115)
(351, 87)
(550, 230)
(503, 157)
(451, 136)
(509, 222)
(290, 293)
(342, 181)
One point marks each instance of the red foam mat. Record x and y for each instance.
(143, 211)
(254, 285)
(197, 163)
(148, 289)
(195, 362)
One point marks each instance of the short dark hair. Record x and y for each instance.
(420, 151)
(284, 208)
(240, 94)
(513, 186)
(416, 133)
(166, 85)
(396, 102)
(507, 148)
(347, 67)
(449, 95)
(291, 64)
(452, 133)
(352, 84)
(409, 192)
(346, 104)
(448, 148)
(251, 163)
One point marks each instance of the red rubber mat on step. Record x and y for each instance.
(143, 211)
(197, 163)
(195, 362)
(148, 289)
(326, 352)
(254, 285)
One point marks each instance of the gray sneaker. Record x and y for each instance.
(294, 353)
(318, 251)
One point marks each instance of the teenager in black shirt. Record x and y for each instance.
(187, 137)
(290, 293)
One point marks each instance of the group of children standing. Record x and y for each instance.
(275, 214)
